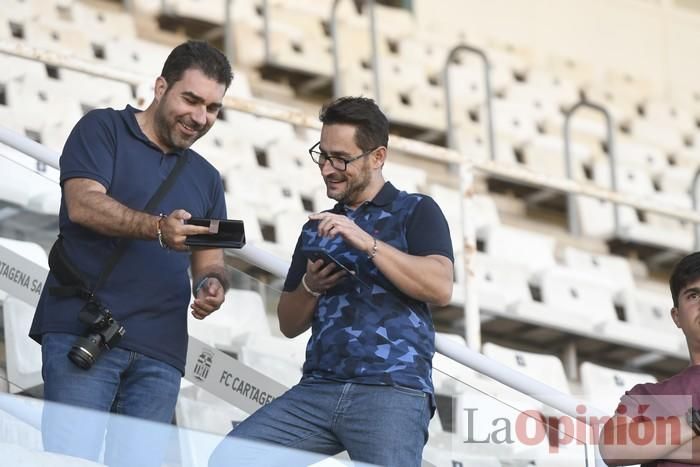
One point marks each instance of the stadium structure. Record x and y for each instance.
(560, 138)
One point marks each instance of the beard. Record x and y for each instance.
(354, 186)
(168, 131)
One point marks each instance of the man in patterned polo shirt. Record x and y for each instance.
(367, 384)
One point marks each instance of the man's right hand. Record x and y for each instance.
(174, 231)
(321, 276)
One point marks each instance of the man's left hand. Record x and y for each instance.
(209, 298)
(331, 225)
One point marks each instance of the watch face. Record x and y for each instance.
(693, 419)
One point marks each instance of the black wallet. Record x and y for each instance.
(223, 233)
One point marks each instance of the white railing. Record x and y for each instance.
(470, 358)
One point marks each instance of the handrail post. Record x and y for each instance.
(229, 49)
(696, 205)
(266, 29)
(334, 48)
(451, 138)
(472, 317)
(572, 214)
(375, 52)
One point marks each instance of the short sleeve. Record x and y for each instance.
(296, 269)
(89, 151)
(427, 231)
(218, 204)
(641, 400)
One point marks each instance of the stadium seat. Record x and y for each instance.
(595, 217)
(647, 157)
(242, 313)
(657, 229)
(288, 226)
(533, 250)
(475, 146)
(95, 92)
(603, 387)
(58, 38)
(449, 376)
(18, 454)
(22, 354)
(298, 42)
(26, 188)
(544, 154)
(612, 270)
(270, 194)
(21, 428)
(134, 55)
(651, 309)
(477, 416)
(287, 154)
(261, 131)
(515, 120)
(667, 137)
(541, 367)
(454, 455)
(493, 276)
(573, 301)
(404, 177)
(203, 419)
(276, 357)
(677, 179)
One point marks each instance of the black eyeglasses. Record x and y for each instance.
(338, 163)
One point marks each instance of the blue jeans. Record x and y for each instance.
(384, 425)
(121, 382)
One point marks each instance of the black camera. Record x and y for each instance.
(104, 332)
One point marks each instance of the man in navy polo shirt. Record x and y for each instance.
(367, 384)
(112, 164)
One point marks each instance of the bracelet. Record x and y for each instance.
(308, 289)
(203, 281)
(161, 239)
(373, 253)
(200, 284)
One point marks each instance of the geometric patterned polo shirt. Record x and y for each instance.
(367, 331)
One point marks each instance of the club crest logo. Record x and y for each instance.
(203, 365)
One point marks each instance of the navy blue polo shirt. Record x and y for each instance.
(149, 289)
(369, 331)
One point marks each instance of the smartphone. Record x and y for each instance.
(224, 233)
(316, 253)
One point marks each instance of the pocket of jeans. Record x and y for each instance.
(410, 391)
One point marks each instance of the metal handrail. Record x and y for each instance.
(375, 51)
(229, 36)
(279, 267)
(696, 206)
(265, 109)
(451, 138)
(572, 214)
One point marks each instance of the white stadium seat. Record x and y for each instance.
(494, 275)
(533, 250)
(603, 387)
(242, 313)
(23, 355)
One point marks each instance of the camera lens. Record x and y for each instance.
(85, 351)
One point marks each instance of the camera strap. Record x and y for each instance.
(72, 281)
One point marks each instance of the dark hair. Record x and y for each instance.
(687, 270)
(200, 55)
(371, 125)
